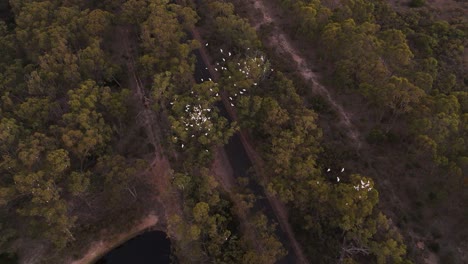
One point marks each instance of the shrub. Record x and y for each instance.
(417, 3)
(376, 136)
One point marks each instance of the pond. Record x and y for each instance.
(148, 248)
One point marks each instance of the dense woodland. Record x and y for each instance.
(90, 92)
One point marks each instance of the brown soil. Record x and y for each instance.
(223, 171)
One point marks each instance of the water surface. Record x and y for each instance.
(148, 248)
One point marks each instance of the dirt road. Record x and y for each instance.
(285, 47)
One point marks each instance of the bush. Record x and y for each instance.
(319, 104)
(417, 3)
(6, 258)
(376, 136)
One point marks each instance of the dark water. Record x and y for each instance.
(240, 161)
(148, 248)
(238, 158)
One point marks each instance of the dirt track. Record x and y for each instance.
(284, 46)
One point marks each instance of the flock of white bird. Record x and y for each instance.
(243, 67)
(362, 186)
(197, 116)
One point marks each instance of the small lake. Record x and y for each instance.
(148, 248)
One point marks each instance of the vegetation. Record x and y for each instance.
(408, 67)
(94, 94)
(289, 141)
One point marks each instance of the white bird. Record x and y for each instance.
(216, 69)
(255, 83)
(209, 79)
(232, 104)
(241, 92)
(229, 53)
(328, 170)
(216, 94)
(182, 145)
(230, 98)
(318, 182)
(221, 50)
(202, 80)
(370, 188)
(224, 59)
(362, 183)
(235, 84)
(337, 179)
(342, 170)
(206, 45)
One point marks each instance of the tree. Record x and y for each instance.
(98, 22)
(233, 32)
(94, 64)
(35, 112)
(9, 132)
(135, 11)
(195, 121)
(401, 95)
(118, 176)
(86, 130)
(395, 50)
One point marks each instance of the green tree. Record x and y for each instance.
(86, 131)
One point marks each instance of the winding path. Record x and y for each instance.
(285, 46)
